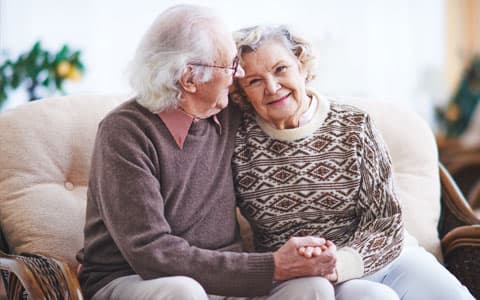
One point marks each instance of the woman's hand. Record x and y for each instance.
(290, 264)
(310, 251)
(332, 277)
(328, 249)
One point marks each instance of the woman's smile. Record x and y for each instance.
(280, 100)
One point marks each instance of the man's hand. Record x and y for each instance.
(289, 263)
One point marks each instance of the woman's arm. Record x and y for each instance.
(379, 235)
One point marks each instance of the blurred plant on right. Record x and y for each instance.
(457, 115)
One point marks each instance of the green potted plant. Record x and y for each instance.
(39, 68)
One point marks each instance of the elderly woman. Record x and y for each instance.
(306, 165)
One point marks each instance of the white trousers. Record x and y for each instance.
(414, 275)
(185, 288)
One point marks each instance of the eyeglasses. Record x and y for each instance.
(234, 66)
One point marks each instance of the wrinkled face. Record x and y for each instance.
(212, 96)
(275, 84)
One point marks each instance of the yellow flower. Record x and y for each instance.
(64, 68)
(74, 74)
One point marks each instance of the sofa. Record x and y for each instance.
(45, 149)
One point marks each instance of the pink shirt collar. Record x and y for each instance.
(178, 123)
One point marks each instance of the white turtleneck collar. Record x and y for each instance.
(311, 120)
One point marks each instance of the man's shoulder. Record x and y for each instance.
(231, 115)
(127, 113)
(130, 122)
(127, 108)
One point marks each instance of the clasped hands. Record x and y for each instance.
(306, 256)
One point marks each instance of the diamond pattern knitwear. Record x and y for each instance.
(330, 178)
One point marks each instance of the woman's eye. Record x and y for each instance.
(280, 69)
(255, 81)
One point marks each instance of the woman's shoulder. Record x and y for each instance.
(346, 112)
(344, 107)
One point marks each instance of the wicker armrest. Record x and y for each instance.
(40, 276)
(455, 209)
(456, 157)
(461, 249)
(465, 170)
(474, 195)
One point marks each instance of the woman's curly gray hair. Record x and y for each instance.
(181, 35)
(251, 38)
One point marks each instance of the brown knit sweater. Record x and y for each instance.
(330, 178)
(157, 210)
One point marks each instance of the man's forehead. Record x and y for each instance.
(225, 48)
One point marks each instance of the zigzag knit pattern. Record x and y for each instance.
(336, 183)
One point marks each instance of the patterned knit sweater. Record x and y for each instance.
(330, 178)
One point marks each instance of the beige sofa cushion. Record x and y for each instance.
(45, 153)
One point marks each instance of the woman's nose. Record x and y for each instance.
(271, 86)
(240, 72)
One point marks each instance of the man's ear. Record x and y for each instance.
(187, 81)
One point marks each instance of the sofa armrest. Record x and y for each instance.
(455, 210)
(464, 167)
(40, 276)
(474, 196)
(3, 242)
(461, 249)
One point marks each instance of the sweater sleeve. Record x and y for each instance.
(377, 240)
(128, 195)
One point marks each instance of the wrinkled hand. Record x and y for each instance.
(329, 248)
(312, 251)
(289, 263)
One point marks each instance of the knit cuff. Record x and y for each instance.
(349, 264)
(260, 268)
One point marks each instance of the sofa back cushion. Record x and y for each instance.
(45, 153)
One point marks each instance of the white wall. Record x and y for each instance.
(392, 50)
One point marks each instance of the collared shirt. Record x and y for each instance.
(178, 123)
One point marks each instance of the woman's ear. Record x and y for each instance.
(187, 81)
(302, 70)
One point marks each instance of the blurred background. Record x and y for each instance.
(421, 54)
(392, 50)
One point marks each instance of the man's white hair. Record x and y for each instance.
(181, 35)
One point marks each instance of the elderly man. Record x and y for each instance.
(160, 218)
